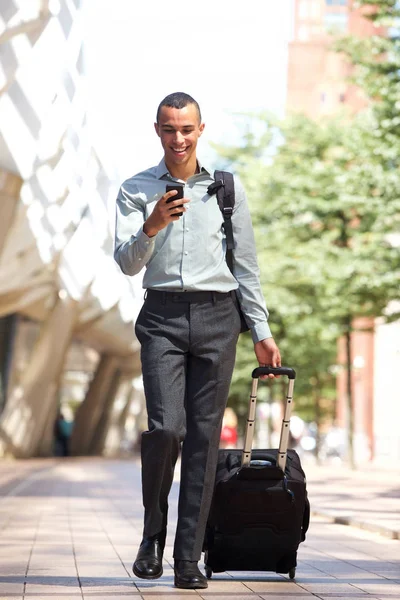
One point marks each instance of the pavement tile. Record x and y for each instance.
(230, 586)
(52, 591)
(93, 561)
(10, 588)
(387, 573)
(64, 583)
(164, 585)
(113, 596)
(384, 588)
(63, 573)
(285, 597)
(108, 585)
(18, 579)
(101, 528)
(294, 596)
(14, 570)
(341, 570)
(276, 587)
(223, 596)
(333, 587)
(175, 593)
(88, 578)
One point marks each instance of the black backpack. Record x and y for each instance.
(224, 187)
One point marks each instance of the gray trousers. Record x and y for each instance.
(188, 346)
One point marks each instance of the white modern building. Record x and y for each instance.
(66, 311)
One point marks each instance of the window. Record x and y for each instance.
(315, 9)
(303, 33)
(303, 9)
(336, 22)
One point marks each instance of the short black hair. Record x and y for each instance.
(177, 100)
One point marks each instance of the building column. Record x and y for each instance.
(26, 413)
(10, 187)
(100, 433)
(123, 415)
(8, 326)
(91, 409)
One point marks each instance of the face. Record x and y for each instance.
(179, 129)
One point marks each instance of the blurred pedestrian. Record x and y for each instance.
(62, 435)
(188, 329)
(229, 433)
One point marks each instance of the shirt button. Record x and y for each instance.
(187, 228)
(186, 252)
(147, 243)
(139, 259)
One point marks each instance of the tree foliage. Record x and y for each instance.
(326, 211)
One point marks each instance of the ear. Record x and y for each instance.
(157, 128)
(201, 127)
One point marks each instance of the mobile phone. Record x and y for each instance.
(179, 189)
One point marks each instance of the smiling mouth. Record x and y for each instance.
(180, 150)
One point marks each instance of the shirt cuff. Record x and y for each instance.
(144, 242)
(260, 331)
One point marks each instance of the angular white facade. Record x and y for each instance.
(56, 232)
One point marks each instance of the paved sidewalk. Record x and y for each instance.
(70, 530)
(368, 498)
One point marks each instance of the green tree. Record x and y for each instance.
(326, 213)
(376, 63)
(289, 278)
(323, 230)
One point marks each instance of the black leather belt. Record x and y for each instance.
(166, 297)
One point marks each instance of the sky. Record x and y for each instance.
(230, 55)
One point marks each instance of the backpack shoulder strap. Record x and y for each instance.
(225, 187)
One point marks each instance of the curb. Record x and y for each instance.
(354, 522)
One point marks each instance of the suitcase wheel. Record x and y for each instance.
(208, 572)
(292, 573)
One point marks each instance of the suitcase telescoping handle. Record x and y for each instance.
(284, 439)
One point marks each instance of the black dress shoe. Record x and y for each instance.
(188, 576)
(148, 563)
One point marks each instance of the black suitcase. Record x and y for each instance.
(260, 511)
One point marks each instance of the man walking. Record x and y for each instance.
(188, 329)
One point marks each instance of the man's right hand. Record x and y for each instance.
(164, 213)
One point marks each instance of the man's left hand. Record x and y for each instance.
(268, 355)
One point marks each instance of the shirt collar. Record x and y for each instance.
(162, 170)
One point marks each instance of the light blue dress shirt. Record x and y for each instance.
(189, 254)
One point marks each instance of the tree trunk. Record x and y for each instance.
(349, 397)
(317, 414)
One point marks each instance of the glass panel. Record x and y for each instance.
(303, 9)
(336, 22)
